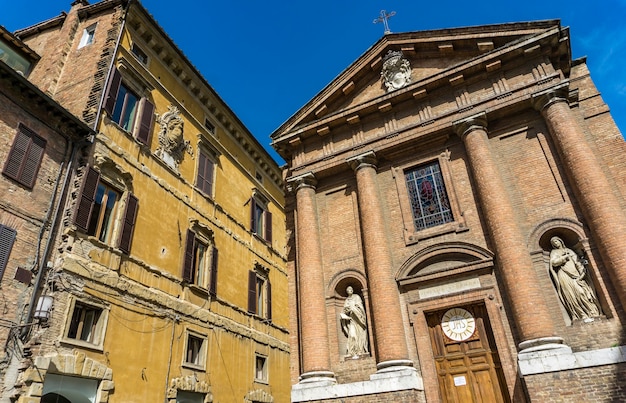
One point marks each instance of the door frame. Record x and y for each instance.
(506, 348)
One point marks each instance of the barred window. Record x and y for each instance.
(427, 194)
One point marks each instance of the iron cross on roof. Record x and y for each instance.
(384, 18)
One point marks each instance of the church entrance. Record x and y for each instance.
(466, 357)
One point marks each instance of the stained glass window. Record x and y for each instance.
(427, 193)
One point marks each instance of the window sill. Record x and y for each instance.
(262, 381)
(83, 344)
(195, 367)
(198, 289)
(412, 237)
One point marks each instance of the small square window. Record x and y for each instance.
(260, 372)
(195, 350)
(86, 323)
(139, 54)
(209, 126)
(88, 36)
(189, 397)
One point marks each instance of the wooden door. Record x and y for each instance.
(468, 370)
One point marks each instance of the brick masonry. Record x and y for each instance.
(499, 255)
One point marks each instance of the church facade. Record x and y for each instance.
(457, 208)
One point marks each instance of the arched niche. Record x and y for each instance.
(572, 233)
(335, 299)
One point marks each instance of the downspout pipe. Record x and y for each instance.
(51, 235)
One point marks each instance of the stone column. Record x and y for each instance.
(389, 336)
(515, 265)
(312, 301)
(595, 195)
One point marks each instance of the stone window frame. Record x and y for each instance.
(264, 379)
(125, 74)
(205, 236)
(89, 35)
(212, 154)
(120, 180)
(261, 273)
(100, 328)
(411, 234)
(260, 228)
(202, 354)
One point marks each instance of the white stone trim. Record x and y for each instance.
(541, 362)
(405, 379)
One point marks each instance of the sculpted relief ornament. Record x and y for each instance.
(171, 142)
(570, 276)
(396, 71)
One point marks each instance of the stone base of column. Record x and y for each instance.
(543, 344)
(317, 378)
(391, 378)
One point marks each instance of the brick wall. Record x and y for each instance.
(597, 384)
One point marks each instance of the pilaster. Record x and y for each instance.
(514, 261)
(596, 196)
(313, 327)
(390, 341)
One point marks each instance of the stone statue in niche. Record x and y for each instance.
(569, 273)
(171, 141)
(354, 324)
(396, 71)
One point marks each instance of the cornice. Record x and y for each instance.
(420, 89)
(543, 42)
(441, 126)
(143, 25)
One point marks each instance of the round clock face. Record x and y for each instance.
(458, 324)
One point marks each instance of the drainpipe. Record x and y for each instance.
(42, 262)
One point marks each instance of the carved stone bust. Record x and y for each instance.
(396, 71)
(171, 141)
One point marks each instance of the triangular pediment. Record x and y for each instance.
(432, 55)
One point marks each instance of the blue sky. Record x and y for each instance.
(266, 59)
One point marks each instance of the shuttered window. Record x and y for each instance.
(131, 112)
(98, 209)
(204, 181)
(196, 269)
(25, 157)
(260, 220)
(259, 295)
(7, 237)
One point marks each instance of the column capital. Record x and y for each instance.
(367, 159)
(301, 181)
(464, 126)
(542, 99)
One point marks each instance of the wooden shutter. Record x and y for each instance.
(87, 199)
(129, 223)
(7, 237)
(269, 299)
(25, 157)
(145, 121)
(112, 90)
(252, 291)
(268, 226)
(213, 280)
(204, 180)
(253, 222)
(189, 257)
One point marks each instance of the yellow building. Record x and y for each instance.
(169, 280)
